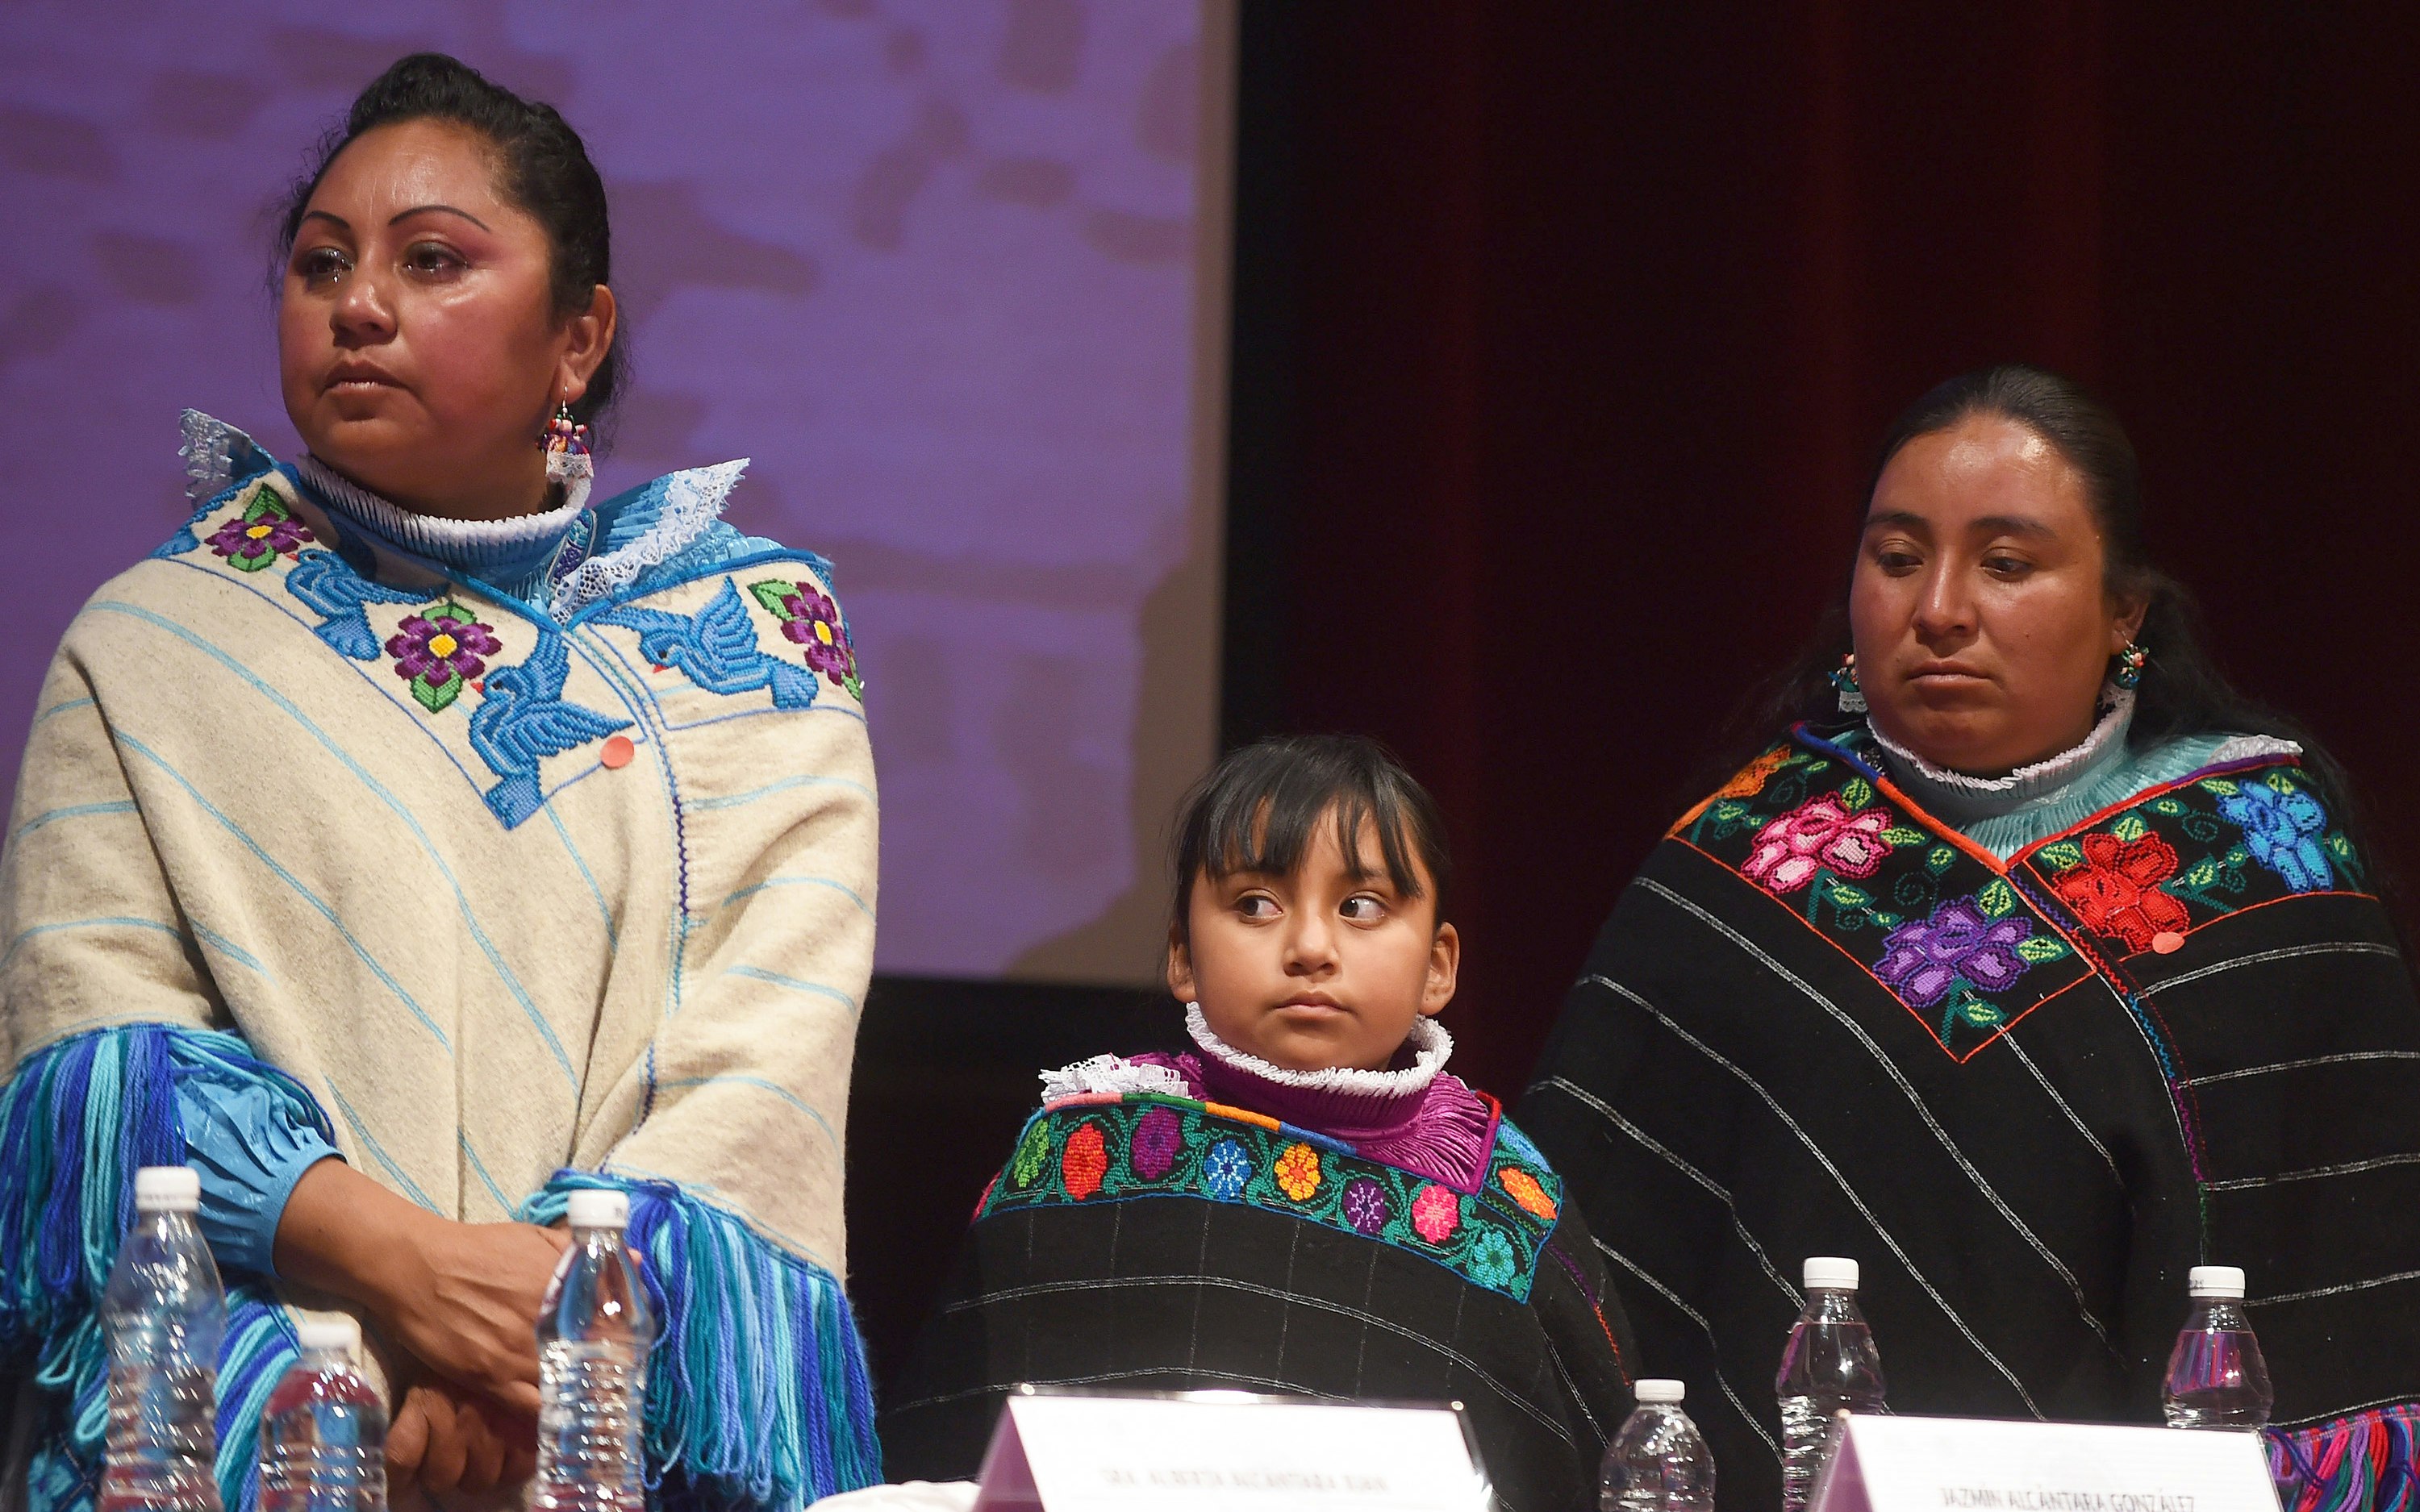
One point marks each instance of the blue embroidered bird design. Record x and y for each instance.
(524, 719)
(325, 582)
(716, 648)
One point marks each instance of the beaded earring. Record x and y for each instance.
(565, 441)
(1844, 686)
(2131, 662)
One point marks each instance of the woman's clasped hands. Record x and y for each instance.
(461, 1300)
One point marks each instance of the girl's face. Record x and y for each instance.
(1982, 623)
(418, 346)
(1325, 966)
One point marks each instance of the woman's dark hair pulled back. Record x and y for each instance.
(1259, 809)
(2182, 692)
(542, 167)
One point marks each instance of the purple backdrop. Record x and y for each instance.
(932, 263)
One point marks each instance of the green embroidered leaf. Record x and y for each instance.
(1031, 1152)
(2237, 856)
(1730, 809)
(2062, 854)
(2338, 846)
(2280, 782)
(855, 687)
(1939, 857)
(2130, 827)
(1998, 900)
(775, 595)
(1755, 822)
(1818, 766)
(2040, 947)
(2221, 786)
(1900, 835)
(1848, 897)
(1856, 792)
(1976, 1011)
(2167, 805)
(2203, 874)
(265, 502)
(1886, 919)
(435, 697)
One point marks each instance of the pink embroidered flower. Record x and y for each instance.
(1435, 1213)
(1818, 833)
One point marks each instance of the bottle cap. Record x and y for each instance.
(599, 1208)
(2216, 1281)
(167, 1189)
(1658, 1392)
(337, 1333)
(1830, 1273)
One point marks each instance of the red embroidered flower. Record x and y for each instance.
(1437, 1213)
(2116, 888)
(1818, 833)
(1084, 1162)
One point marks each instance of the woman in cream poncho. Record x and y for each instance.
(409, 840)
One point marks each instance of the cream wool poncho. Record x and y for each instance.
(505, 899)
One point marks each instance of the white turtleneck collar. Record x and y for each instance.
(503, 552)
(1959, 800)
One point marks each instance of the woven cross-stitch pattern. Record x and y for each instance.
(1147, 1144)
(1969, 947)
(2186, 854)
(1950, 937)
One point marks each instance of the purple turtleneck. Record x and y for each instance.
(1415, 1114)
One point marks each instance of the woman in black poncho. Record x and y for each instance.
(2033, 968)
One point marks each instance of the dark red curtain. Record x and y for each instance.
(1565, 333)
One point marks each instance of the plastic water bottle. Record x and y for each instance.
(323, 1437)
(592, 1347)
(1831, 1366)
(1657, 1462)
(164, 1318)
(2216, 1378)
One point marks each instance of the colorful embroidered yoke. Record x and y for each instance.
(501, 895)
(2028, 1096)
(1150, 1240)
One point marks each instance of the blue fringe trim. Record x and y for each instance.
(2364, 1462)
(77, 1119)
(757, 1389)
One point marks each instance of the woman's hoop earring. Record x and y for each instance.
(1844, 686)
(2131, 662)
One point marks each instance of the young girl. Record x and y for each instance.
(1308, 1202)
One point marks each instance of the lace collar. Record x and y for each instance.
(1959, 800)
(1429, 1042)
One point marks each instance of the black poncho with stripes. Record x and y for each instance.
(2026, 1095)
(1142, 1241)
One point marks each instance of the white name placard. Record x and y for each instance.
(1951, 1464)
(1199, 1450)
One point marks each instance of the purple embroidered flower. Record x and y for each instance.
(811, 619)
(1157, 1140)
(439, 651)
(1365, 1205)
(1923, 957)
(2280, 829)
(254, 538)
(814, 624)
